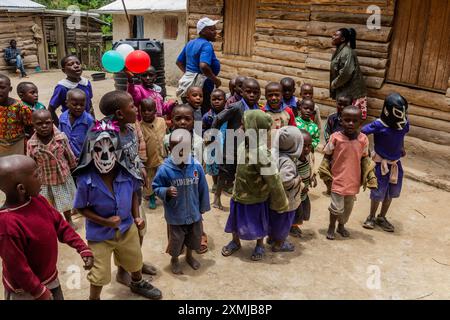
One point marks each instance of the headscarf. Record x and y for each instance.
(394, 113)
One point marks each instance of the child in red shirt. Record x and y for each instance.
(29, 232)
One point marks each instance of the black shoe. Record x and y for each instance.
(145, 289)
(369, 223)
(385, 224)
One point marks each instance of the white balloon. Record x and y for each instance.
(125, 49)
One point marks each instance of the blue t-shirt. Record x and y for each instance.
(197, 51)
(60, 93)
(388, 142)
(93, 193)
(76, 133)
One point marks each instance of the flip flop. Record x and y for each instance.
(230, 248)
(286, 247)
(258, 253)
(204, 245)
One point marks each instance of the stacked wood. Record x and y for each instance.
(17, 26)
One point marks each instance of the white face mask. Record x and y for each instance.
(104, 155)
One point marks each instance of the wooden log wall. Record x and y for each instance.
(18, 26)
(293, 38)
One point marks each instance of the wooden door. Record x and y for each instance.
(420, 48)
(239, 26)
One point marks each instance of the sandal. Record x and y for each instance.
(286, 247)
(203, 246)
(230, 248)
(296, 232)
(369, 223)
(384, 224)
(258, 253)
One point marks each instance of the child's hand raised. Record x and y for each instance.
(172, 192)
(140, 223)
(88, 263)
(114, 222)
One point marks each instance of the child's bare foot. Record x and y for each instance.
(342, 231)
(192, 262)
(175, 266)
(217, 204)
(330, 233)
(123, 277)
(149, 269)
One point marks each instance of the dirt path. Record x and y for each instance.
(412, 263)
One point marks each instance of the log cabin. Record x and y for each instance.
(45, 37)
(407, 52)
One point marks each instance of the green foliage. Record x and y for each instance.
(84, 5)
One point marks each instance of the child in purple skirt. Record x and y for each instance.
(389, 135)
(290, 146)
(256, 182)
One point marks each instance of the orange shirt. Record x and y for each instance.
(346, 162)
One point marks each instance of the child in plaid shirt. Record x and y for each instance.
(50, 148)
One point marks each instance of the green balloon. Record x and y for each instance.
(113, 61)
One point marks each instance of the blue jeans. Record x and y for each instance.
(18, 62)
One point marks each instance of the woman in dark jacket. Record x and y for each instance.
(346, 78)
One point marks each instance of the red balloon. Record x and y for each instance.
(138, 61)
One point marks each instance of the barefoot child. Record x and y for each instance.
(183, 118)
(333, 125)
(153, 129)
(29, 94)
(290, 146)
(307, 92)
(118, 106)
(305, 172)
(16, 119)
(148, 89)
(107, 197)
(71, 66)
(389, 134)
(75, 121)
(281, 115)
(212, 166)
(181, 184)
(345, 151)
(289, 98)
(256, 182)
(50, 149)
(29, 232)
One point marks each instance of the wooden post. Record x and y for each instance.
(60, 38)
(130, 25)
(88, 42)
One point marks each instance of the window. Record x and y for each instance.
(239, 26)
(171, 27)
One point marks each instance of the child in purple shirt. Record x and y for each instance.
(71, 66)
(389, 134)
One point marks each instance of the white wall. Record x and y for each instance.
(154, 29)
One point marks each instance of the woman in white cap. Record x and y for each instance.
(199, 63)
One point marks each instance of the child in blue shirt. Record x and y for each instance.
(71, 66)
(389, 133)
(75, 121)
(181, 184)
(107, 197)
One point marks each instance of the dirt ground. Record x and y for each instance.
(412, 263)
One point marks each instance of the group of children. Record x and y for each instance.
(146, 147)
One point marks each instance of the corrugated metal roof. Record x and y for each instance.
(20, 5)
(143, 6)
